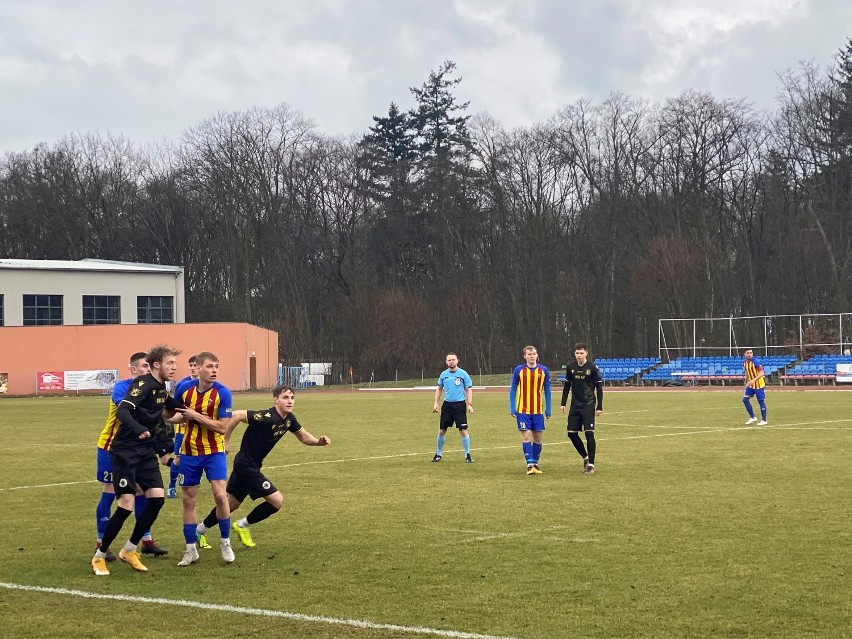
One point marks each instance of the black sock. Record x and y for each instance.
(114, 526)
(261, 512)
(590, 440)
(211, 520)
(578, 444)
(147, 518)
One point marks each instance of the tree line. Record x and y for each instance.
(439, 230)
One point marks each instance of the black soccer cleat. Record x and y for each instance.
(151, 547)
(468, 458)
(436, 458)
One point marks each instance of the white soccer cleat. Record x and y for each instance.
(762, 422)
(227, 551)
(190, 556)
(751, 421)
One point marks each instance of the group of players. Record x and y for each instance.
(530, 403)
(139, 436)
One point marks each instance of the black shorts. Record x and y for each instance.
(130, 468)
(580, 419)
(251, 482)
(453, 412)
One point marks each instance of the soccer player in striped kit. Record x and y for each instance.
(529, 402)
(754, 387)
(208, 410)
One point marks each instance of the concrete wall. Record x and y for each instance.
(72, 285)
(24, 350)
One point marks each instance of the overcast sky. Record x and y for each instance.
(150, 69)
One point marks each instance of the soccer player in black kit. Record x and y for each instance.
(583, 380)
(133, 454)
(265, 429)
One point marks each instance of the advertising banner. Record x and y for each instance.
(4, 383)
(102, 380)
(50, 380)
(90, 380)
(844, 373)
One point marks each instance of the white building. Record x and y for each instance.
(84, 292)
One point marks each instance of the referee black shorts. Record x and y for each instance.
(454, 413)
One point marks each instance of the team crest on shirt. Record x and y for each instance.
(287, 424)
(135, 392)
(458, 381)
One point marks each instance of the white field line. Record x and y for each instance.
(258, 612)
(735, 429)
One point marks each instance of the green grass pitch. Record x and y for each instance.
(694, 526)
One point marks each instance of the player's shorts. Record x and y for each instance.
(214, 466)
(251, 482)
(104, 467)
(454, 413)
(130, 468)
(760, 393)
(530, 422)
(581, 419)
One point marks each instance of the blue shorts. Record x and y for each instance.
(530, 422)
(755, 392)
(214, 466)
(104, 467)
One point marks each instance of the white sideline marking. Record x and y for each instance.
(695, 431)
(259, 612)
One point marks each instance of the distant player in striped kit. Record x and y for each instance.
(208, 410)
(754, 387)
(529, 402)
(457, 388)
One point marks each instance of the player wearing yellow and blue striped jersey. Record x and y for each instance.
(755, 383)
(529, 402)
(208, 409)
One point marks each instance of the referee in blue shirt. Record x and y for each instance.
(457, 387)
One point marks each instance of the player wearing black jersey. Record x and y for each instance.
(133, 454)
(583, 381)
(265, 429)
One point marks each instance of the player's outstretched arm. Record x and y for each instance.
(309, 440)
(231, 424)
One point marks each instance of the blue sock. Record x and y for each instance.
(762, 410)
(536, 452)
(466, 444)
(189, 533)
(440, 449)
(103, 511)
(528, 451)
(174, 471)
(747, 403)
(225, 527)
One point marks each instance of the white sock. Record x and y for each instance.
(190, 546)
(201, 529)
(128, 547)
(99, 554)
(243, 523)
(225, 541)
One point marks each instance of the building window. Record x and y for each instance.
(101, 309)
(155, 310)
(42, 310)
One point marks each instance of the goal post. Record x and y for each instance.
(803, 335)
